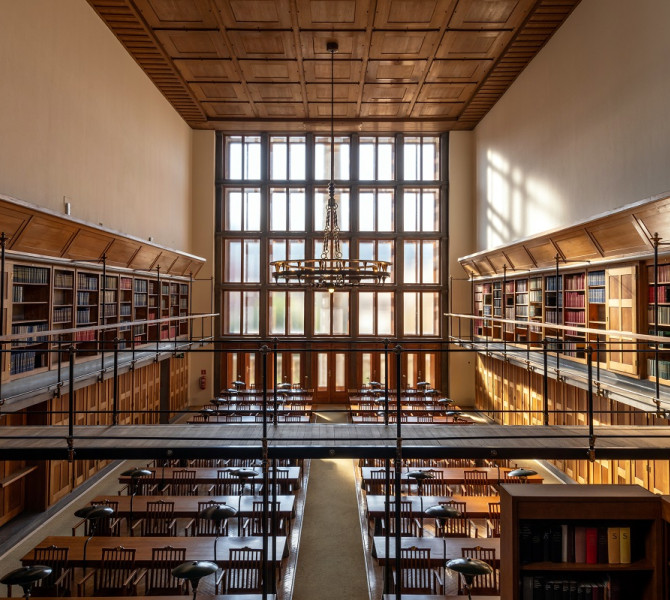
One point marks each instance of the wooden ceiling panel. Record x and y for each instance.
(407, 14)
(458, 70)
(255, 14)
(281, 110)
(472, 44)
(144, 258)
(351, 44)
(193, 44)
(262, 44)
(87, 245)
(12, 221)
(543, 252)
(656, 219)
(275, 92)
(498, 260)
(391, 110)
(483, 267)
(577, 245)
(320, 92)
(189, 14)
(388, 92)
(318, 71)
(165, 261)
(425, 110)
(446, 92)
(225, 92)
(276, 71)
(333, 14)
(395, 70)
(44, 235)
(519, 258)
(180, 266)
(396, 45)
(207, 70)
(121, 252)
(184, 46)
(490, 14)
(618, 237)
(342, 110)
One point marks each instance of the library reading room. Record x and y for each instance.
(335, 299)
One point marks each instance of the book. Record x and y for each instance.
(564, 543)
(591, 545)
(580, 544)
(613, 545)
(556, 553)
(602, 545)
(624, 545)
(525, 543)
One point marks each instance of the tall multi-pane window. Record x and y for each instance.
(391, 205)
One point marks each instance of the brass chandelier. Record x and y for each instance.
(331, 270)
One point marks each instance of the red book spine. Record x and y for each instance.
(591, 545)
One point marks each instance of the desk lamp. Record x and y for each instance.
(420, 477)
(93, 514)
(134, 475)
(194, 571)
(26, 577)
(218, 514)
(442, 512)
(522, 474)
(469, 568)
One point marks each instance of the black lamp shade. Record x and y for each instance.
(218, 512)
(244, 473)
(98, 511)
(136, 472)
(420, 475)
(194, 571)
(521, 473)
(441, 511)
(26, 575)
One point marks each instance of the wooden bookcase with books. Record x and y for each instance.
(125, 311)
(183, 308)
(88, 305)
(602, 541)
(660, 288)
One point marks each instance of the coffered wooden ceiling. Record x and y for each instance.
(402, 65)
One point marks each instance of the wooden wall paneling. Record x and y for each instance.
(178, 385)
(622, 315)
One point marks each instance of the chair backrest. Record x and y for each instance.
(507, 479)
(377, 482)
(116, 566)
(244, 572)
(475, 483)
(226, 483)
(233, 418)
(417, 576)
(436, 487)
(56, 558)
(425, 418)
(408, 526)
(107, 526)
(456, 526)
(183, 483)
(158, 518)
(256, 520)
(293, 418)
(493, 521)
(206, 463)
(159, 578)
(483, 584)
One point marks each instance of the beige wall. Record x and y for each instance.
(202, 233)
(78, 118)
(461, 242)
(584, 129)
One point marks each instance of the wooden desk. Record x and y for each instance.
(204, 475)
(412, 419)
(197, 548)
(304, 416)
(425, 597)
(451, 474)
(187, 506)
(476, 506)
(208, 597)
(436, 545)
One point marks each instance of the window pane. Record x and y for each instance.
(410, 201)
(297, 210)
(251, 313)
(385, 210)
(411, 370)
(280, 368)
(232, 302)
(429, 150)
(278, 158)
(340, 313)
(430, 262)
(366, 160)
(411, 159)
(252, 210)
(234, 157)
(322, 158)
(321, 313)
(233, 272)
(250, 371)
(366, 313)
(384, 313)
(277, 252)
(366, 250)
(277, 313)
(340, 372)
(322, 371)
(296, 249)
(385, 159)
(385, 252)
(252, 158)
(296, 313)
(430, 368)
(410, 316)
(366, 368)
(298, 158)
(295, 368)
(366, 211)
(320, 203)
(277, 210)
(429, 313)
(252, 261)
(382, 369)
(429, 211)
(233, 218)
(410, 262)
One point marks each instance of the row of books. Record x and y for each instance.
(63, 279)
(574, 299)
(521, 311)
(85, 336)
(596, 278)
(109, 310)
(663, 315)
(536, 283)
(83, 316)
(550, 284)
(663, 293)
(140, 299)
(109, 297)
(574, 316)
(20, 362)
(126, 283)
(521, 285)
(126, 310)
(23, 274)
(597, 295)
(535, 295)
(141, 286)
(17, 294)
(663, 368)
(31, 328)
(569, 543)
(87, 282)
(575, 282)
(110, 283)
(62, 315)
(535, 587)
(85, 298)
(553, 316)
(663, 274)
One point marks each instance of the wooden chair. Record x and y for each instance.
(207, 463)
(115, 576)
(159, 520)
(377, 482)
(457, 526)
(416, 574)
(475, 483)
(59, 583)
(482, 585)
(254, 525)
(243, 574)
(293, 418)
(424, 418)
(145, 486)
(226, 484)
(436, 487)
(507, 479)
(182, 484)
(493, 520)
(108, 527)
(159, 579)
(200, 526)
(410, 526)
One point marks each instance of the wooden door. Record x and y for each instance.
(621, 316)
(331, 375)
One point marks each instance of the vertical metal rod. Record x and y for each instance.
(115, 409)
(275, 518)
(71, 395)
(398, 365)
(264, 383)
(3, 244)
(274, 386)
(159, 307)
(103, 304)
(545, 381)
(589, 364)
(656, 240)
(386, 383)
(559, 315)
(398, 522)
(387, 521)
(266, 491)
(59, 346)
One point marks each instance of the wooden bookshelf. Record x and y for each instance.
(141, 309)
(125, 311)
(535, 529)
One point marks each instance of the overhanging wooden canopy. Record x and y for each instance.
(32, 229)
(402, 65)
(621, 233)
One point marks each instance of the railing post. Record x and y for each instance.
(387, 519)
(3, 244)
(589, 364)
(266, 482)
(398, 519)
(71, 395)
(398, 365)
(274, 385)
(264, 383)
(386, 383)
(545, 381)
(115, 410)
